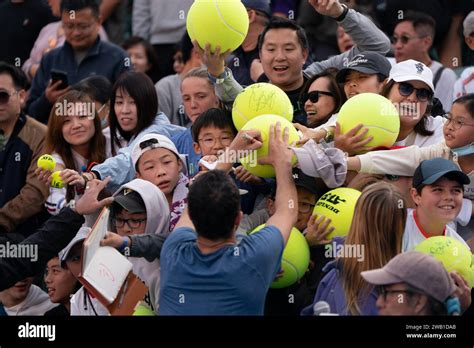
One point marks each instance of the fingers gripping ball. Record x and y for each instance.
(260, 99)
(56, 180)
(338, 205)
(295, 259)
(376, 113)
(221, 23)
(46, 162)
(263, 123)
(454, 255)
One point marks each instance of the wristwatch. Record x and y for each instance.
(221, 78)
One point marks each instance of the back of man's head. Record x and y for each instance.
(78, 5)
(214, 204)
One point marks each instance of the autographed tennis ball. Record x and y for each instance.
(263, 123)
(46, 162)
(453, 254)
(221, 23)
(294, 261)
(376, 113)
(338, 205)
(260, 99)
(56, 180)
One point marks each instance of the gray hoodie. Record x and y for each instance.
(145, 248)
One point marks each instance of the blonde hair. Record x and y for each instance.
(378, 224)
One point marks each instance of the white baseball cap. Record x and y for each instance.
(412, 70)
(80, 236)
(155, 141)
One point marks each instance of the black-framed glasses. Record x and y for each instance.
(149, 143)
(457, 122)
(5, 96)
(304, 207)
(132, 223)
(314, 96)
(404, 39)
(382, 291)
(405, 89)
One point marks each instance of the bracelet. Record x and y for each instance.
(343, 14)
(219, 79)
(124, 245)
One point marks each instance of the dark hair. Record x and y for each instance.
(98, 87)
(283, 23)
(78, 5)
(214, 203)
(154, 71)
(449, 176)
(421, 21)
(420, 127)
(434, 306)
(140, 87)
(186, 47)
(334, 87)
(467, 101)
(18, 76)
(218, 118)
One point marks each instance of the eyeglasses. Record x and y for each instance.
(149, 143)
(304, 207)
(314, 96)
(405, 89)
(132, 223)
(81, 27)
(381, 290)
(404, 39)
(457, 123)
(5, 96)
(210, 141)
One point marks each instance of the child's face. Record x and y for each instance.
(73, 261)
(462, 136)
(59, 281)
(306, 203)
(160, 167)
(78, 130)
(211, 140)
(198, 96)
(440, 201)
(357, 82)
(127, 223)
(126, 110)
(20, 290)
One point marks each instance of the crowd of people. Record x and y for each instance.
(137, 118)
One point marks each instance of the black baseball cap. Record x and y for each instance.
(429, 171)
(259, 5)
(130, 200)
(367, 63)
(304, 181)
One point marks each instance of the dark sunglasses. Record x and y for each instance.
(404, 39)
(314, 96)
(5, 96)
(148, 143)
(406, 89)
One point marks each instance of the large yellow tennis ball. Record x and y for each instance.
(294, 261)
(56, 180)
(338, 205)
(46, 162)
(376, 113)
(143, 310)
(260, 99)
(221, 23)
(454, 255)
(263, 123)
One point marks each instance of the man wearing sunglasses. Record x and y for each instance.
(22, 196)
(413, 38)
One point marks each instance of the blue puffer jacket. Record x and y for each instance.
(331, 291)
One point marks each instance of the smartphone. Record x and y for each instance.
(58, 75)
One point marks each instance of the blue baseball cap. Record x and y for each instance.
(259, 5)
(429, 171)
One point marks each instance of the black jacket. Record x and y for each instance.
(51, 238)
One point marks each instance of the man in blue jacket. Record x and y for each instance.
(83, 54)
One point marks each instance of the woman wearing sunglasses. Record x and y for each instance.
(410, 88)
(322, 97)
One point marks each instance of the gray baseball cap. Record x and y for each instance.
(419, 270)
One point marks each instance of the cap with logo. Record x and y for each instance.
(155, 141)
(429, 171)
(412, 70)
(367, 63)
(130, 200)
